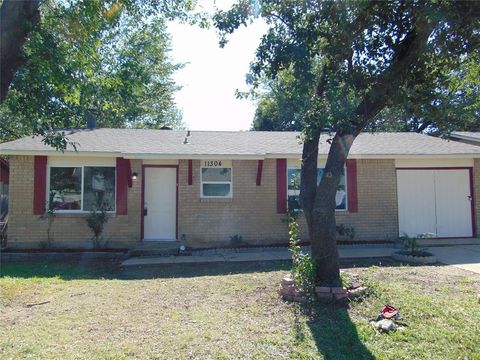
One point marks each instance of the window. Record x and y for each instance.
(217, 182)
(82, 188)
(293, 189)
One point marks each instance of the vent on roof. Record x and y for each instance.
(91, 118)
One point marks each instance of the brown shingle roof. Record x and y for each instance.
(138, 142)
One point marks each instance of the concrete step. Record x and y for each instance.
(156, 248)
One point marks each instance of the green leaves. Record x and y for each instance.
(355, 63)
(111, 55)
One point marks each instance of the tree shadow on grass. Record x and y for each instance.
(74, 268)
(78, 266)
(336, 335)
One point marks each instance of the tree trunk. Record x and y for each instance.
(17, 19)
(318, 203)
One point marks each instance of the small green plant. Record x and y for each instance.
(96, 221)
(346, 231)
(303, 268)
(411, 243)
(49, 215)
(236, 240)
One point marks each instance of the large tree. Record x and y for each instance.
(109, 55)
(361, 58)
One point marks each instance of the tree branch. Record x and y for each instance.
(16, 20)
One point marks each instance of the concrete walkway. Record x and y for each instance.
(255, 254)
(466, 257)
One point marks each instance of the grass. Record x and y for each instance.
(96, 310)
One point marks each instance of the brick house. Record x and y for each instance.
(200, 188)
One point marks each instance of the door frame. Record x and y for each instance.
(472, 194)
(143, 198)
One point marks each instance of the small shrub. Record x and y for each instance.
(236, 240)
(96, 222)
(346, 231)
(49, 215)
(412, 245)
(303, 268)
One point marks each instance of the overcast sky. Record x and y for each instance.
(211, 75)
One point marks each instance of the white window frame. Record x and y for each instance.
(81, 211)
(294, 192)
(230, 194)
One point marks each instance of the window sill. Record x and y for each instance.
(216, 200)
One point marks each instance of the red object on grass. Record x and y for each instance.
(388, 312)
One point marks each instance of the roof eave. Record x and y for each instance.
(465, 137)
(156, 156)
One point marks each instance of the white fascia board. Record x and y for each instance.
(59, 153)
(194, 156)
(381, 156)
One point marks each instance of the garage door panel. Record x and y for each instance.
(434, 201)
(416, 202)
(453, 208)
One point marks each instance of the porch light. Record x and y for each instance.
(134, 176)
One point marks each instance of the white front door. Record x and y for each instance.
(434, 201)
(160, 204)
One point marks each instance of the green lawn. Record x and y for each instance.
(94, 309)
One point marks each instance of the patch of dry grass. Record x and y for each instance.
(96, 310)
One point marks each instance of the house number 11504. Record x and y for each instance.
(212, 163)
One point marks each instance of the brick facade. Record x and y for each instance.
(26, 230)
(251, 212)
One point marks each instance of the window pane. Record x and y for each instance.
(66, 188)
(99, 188)
(294, 189)
(216, 190)
(217, 174)
(294, 179)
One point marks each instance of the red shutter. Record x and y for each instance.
(39, 185)
(122, 186)
(281, 186)
(352, 186)
(190, 171)
(259, 172)
(4, 172)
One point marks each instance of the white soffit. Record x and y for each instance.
(445, 162)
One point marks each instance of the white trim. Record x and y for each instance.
(192, 156)
(382, 156)
(160, 162)
(230, 194)
(434, 163)
(61, 161)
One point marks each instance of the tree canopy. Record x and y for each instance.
(358, 60)
(455, 104)
(110, 56)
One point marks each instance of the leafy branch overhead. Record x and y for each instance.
(109, 55)
(343, 59)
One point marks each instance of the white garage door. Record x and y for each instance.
(434, 201)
